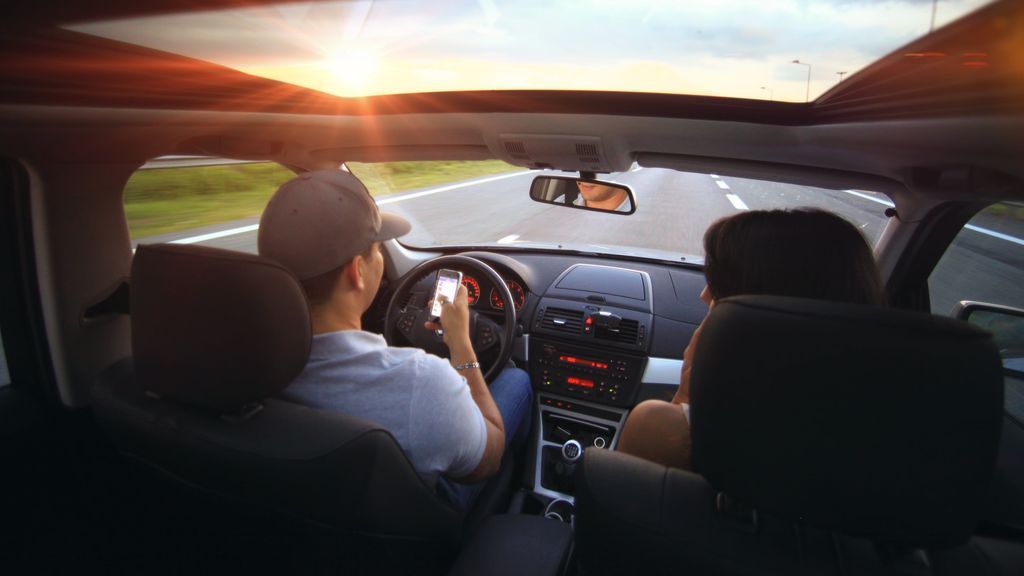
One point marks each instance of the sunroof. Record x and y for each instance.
(785, 50)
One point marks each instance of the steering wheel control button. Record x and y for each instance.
(406, 322)
(572, 450)
(486, 336)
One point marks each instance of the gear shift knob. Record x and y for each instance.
(571, 451)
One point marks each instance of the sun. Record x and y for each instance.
(351, 67)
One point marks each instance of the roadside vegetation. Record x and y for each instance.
(164, 200)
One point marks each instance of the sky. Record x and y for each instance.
(737, 48)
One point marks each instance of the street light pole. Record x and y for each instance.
(841, 74)
(807, 97)
(771, 93)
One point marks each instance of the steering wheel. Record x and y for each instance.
(484, 333)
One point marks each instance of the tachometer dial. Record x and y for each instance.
(472, 289)
(518, 296)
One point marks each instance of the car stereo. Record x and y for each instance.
(597, 376)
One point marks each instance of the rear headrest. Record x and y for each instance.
(873, 422)
(216, 328)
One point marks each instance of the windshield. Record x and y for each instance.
(790, 51)
(492, 208)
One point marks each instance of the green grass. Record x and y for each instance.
(166, 200)
(391, 177)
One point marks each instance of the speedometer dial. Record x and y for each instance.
(472, 289)
(518, 296)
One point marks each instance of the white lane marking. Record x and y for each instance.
(508, 239)
(995, 234)
(970, 227)
(252, 227)
(715, 176)
(736, 202)
(213, 235)
(722, 184)
(451, 187)
(871, 198)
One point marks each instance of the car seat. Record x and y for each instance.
(827, 439)
(215, 334)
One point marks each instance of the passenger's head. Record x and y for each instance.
(804, 253)
(325, 228)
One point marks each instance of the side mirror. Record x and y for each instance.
(1005, 323)
(583, 194)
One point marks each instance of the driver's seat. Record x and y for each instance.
(215, 334)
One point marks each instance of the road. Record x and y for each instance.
(673, 211)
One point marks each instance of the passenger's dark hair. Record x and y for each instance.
(806, 253)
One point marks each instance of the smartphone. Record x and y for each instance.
(447, 287)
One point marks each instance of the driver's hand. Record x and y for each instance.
(454, 319)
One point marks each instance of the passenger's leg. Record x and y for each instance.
(658, 431)
(513, 395)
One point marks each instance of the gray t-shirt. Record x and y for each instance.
(418, 397)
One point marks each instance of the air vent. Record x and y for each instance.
(587, 153)
(563, 320)
(516, 150)
(627, 332)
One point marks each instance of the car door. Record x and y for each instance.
(985, 263)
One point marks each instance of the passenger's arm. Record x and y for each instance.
(682, 395)
(455, 320)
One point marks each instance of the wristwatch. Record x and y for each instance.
(466, 365)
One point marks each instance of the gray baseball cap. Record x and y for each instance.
(320, 220)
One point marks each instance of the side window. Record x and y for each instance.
(984, 263)
(199, 200)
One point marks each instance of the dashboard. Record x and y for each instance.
(641, 309)
(597, 336)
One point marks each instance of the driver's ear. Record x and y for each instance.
(354, 273)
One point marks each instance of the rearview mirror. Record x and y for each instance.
(1005, 323)
(584, 194)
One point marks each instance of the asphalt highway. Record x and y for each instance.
(673, 211)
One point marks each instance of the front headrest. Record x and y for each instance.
(216, 328)
(869, 421)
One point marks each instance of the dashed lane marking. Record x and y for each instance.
(737, 202)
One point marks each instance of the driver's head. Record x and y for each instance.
(598, 193)
(325, 227)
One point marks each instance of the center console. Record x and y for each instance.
(587, 354)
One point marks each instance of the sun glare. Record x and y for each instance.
(351, 67)
(357, 48)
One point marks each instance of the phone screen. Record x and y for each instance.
(447, 287)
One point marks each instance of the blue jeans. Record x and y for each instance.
(513, 395)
